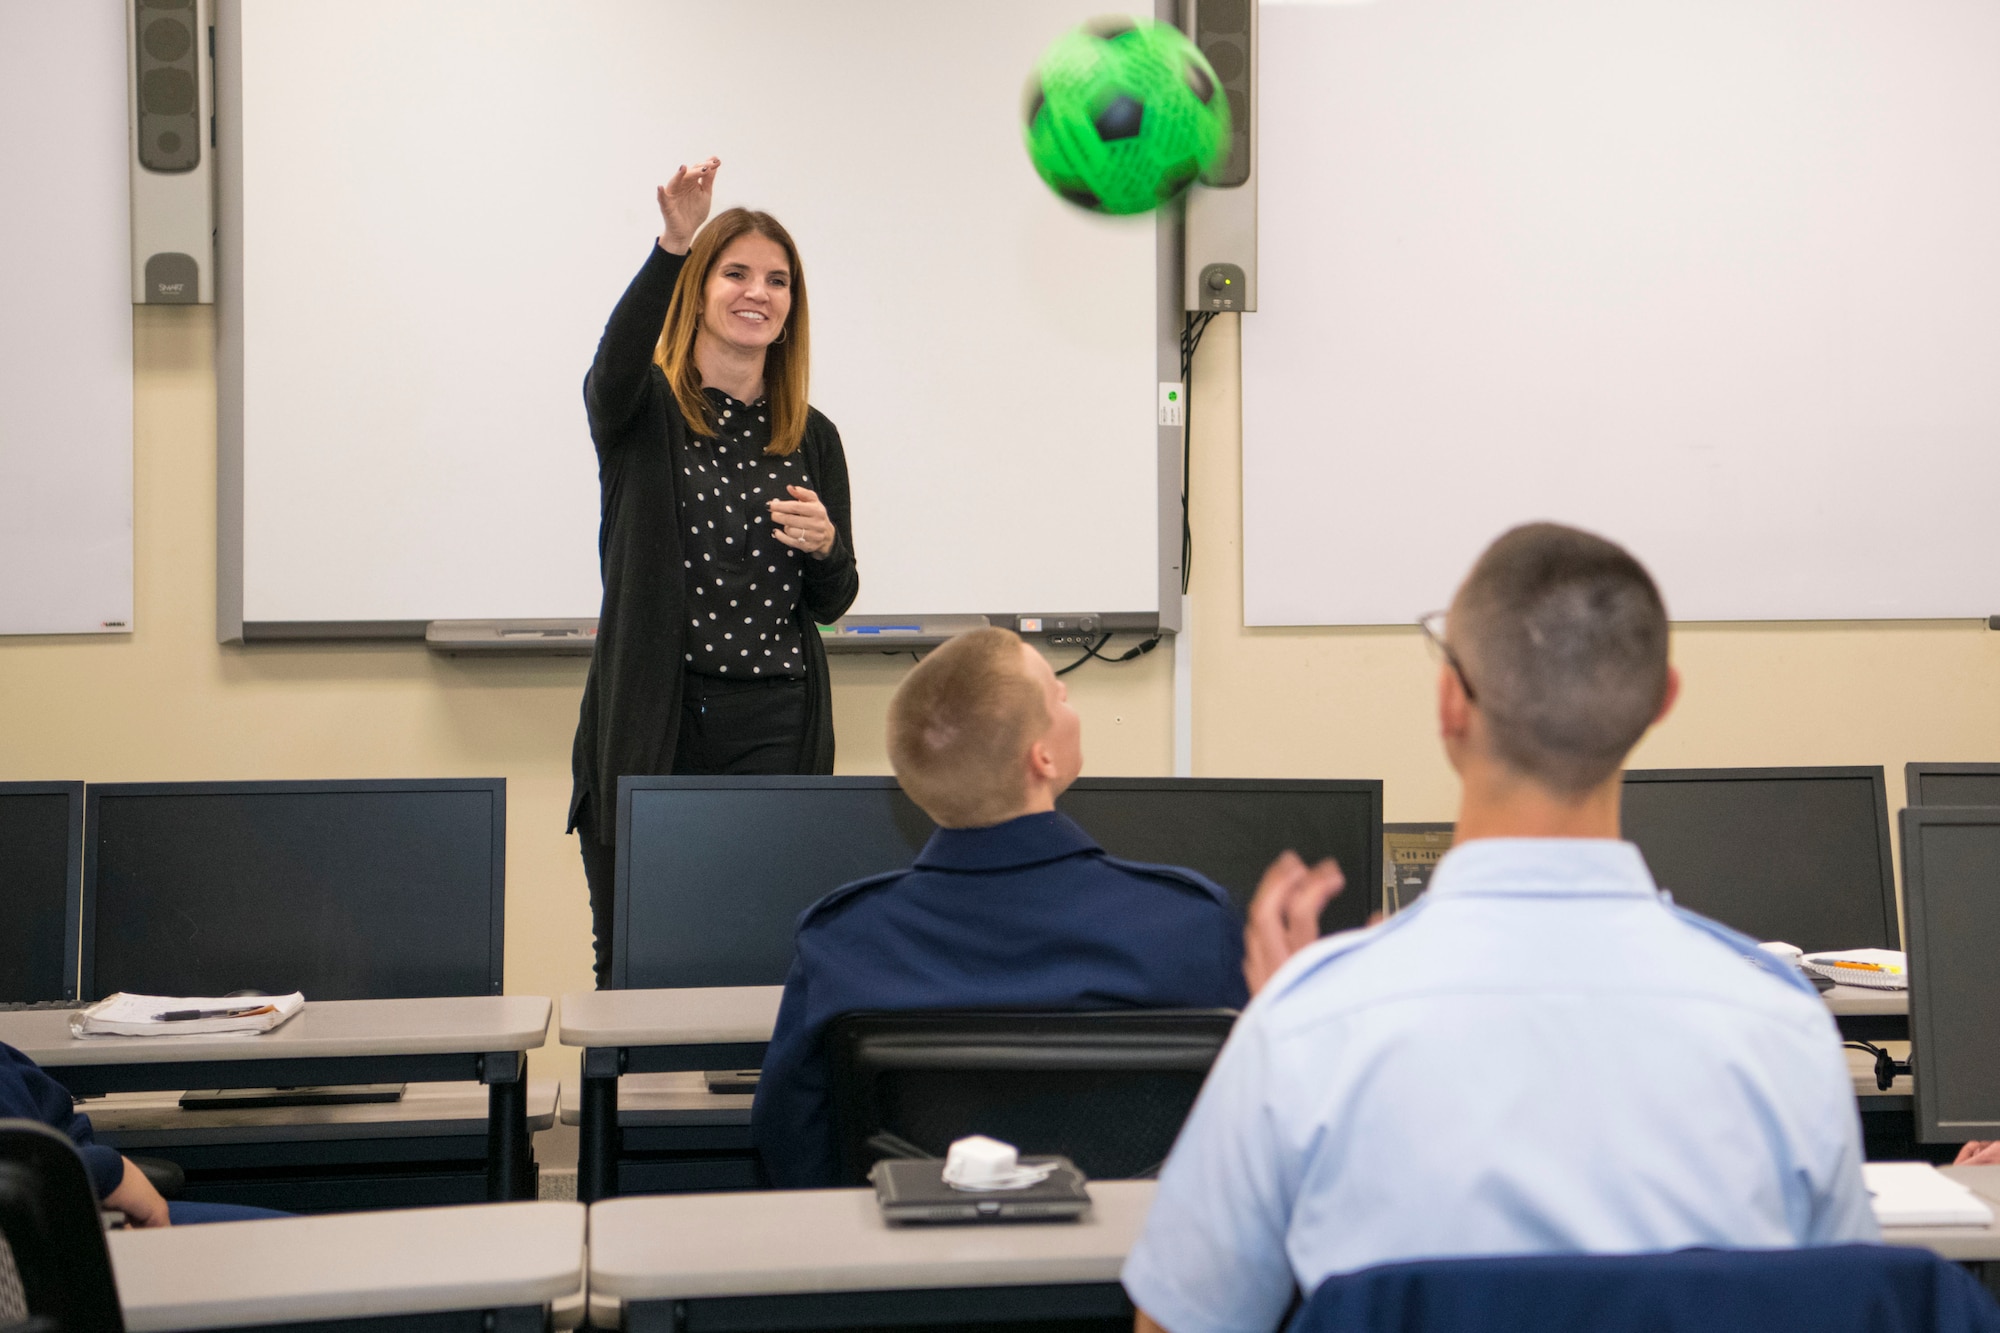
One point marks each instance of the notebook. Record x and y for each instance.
(1914, 1194)
(1877, 969)
(127, 1015)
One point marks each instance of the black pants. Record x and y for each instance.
(727, 727)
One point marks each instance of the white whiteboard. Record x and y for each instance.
(1717, 278)
(441, 202)
(65, 321)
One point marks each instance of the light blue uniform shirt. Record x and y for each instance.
(1542, 1055)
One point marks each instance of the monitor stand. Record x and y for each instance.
(257, 1099)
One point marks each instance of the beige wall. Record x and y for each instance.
(166, 702)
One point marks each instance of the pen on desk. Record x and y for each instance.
(190, 1015)
(1859, 967)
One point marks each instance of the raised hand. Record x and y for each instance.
(802, 523)
(684, 202)
(1284, 916)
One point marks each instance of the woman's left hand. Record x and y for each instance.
(803, 524)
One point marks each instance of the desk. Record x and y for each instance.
(654, 1031)
(1870, 1015)
(424, 1149)
(690, 1029)
(507, 1261)
(674, 1136)
(824, 1258)
(482, 1037)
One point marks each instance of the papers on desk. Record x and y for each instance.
(127, 1015)
(1914, 1194)
(1877, 969)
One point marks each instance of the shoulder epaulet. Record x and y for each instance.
(1739, 943)
(1177, 874)
(1329, 949)
(849, 891)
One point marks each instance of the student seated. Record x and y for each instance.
(26, 1093)
(1541, 1055)
(1010, 905)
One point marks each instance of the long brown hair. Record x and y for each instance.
(784, 362)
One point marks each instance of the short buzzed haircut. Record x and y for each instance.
(960, 727)
(1563, 638)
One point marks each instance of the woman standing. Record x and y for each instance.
(724, 532)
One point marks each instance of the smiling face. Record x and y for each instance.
(749, 294)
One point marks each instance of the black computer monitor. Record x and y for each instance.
(343, 890)
(1793, 854)
(713, 872)
(1951, 784)
(41, 876)
(1951, 871)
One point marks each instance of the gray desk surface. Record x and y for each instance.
(325, 1028)
(691, 1246)
(694, 1016)
(684, 1098)
(1854, 1001)
(698, 1016)
(664, 1099)
(687, 1246)
(136, 1121)
(347, 1266)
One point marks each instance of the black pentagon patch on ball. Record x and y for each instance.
(1036, 102)
(1121, 120)
(1079, 196)
(1199, 83)
(1111, 28)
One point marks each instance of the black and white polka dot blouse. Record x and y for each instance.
(743, 583)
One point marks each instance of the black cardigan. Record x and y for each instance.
(632, 700)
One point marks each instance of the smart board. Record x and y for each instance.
(1715, 278)
(429, 211)
(65, 322)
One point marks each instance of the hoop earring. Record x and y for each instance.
(783, 334)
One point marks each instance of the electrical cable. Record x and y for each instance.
(1192, 329)
(1137, 650)
(1089, 651)
(1095, 650)
(1887, 1066)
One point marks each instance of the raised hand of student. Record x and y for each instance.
(1284, 916)
(1979, 1153)
(684, 204)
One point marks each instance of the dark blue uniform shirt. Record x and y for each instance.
(26, 1093)
(1030, 914)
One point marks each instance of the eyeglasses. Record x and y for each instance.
(1433, 627)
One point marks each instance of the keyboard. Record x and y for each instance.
(11, 1006)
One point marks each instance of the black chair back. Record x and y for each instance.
(54, 1239)
(1107, 1089)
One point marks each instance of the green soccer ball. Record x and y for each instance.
(1124, 114)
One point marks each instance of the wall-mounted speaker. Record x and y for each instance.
(1221, 271)
(171, 85)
